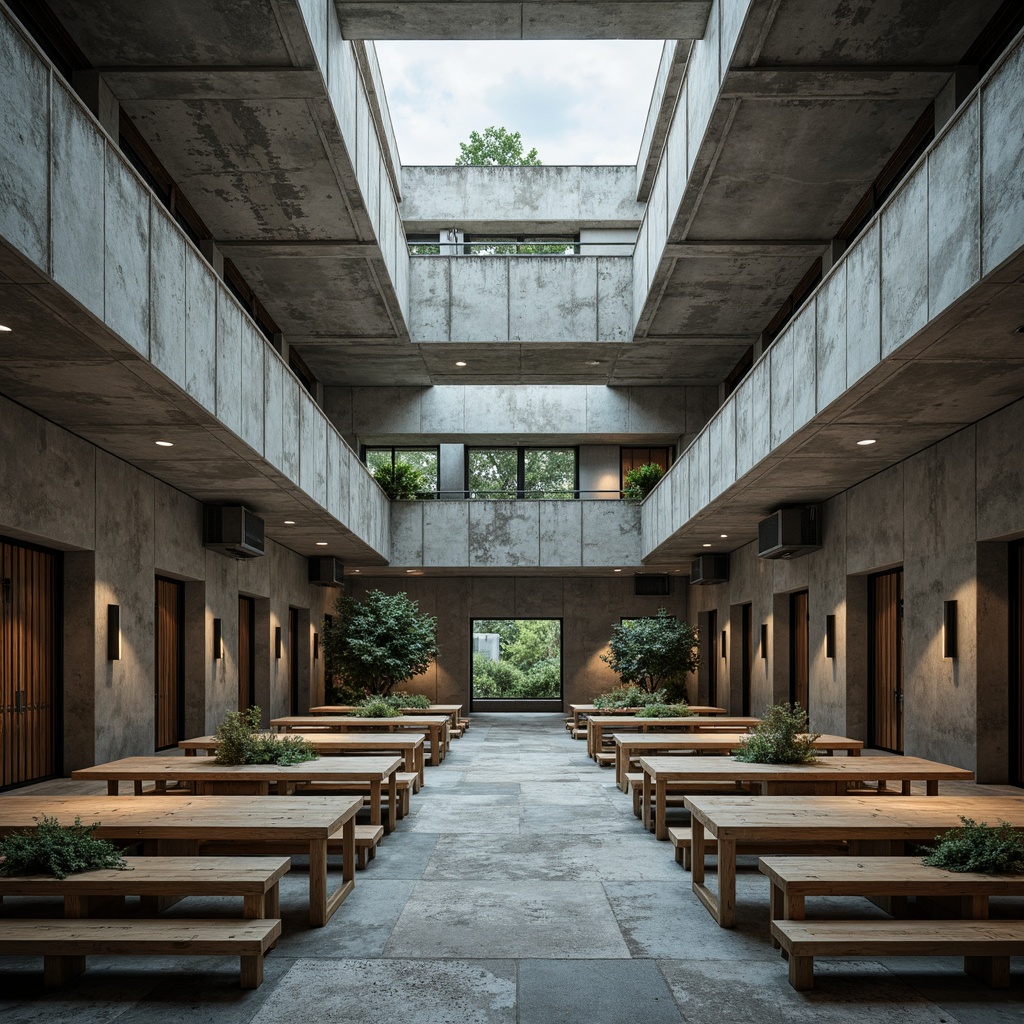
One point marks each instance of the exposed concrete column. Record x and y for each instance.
(209, 248)
(832, 254)
(100, 100)
(954, 92)
(452, 469)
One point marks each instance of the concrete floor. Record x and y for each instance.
(521, 890)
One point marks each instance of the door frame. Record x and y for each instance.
(872, 682)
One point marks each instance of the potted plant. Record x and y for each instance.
(59, 850)
(781, 737)
(239, 741)
(400, 482)
(654, 654)
(639, 481)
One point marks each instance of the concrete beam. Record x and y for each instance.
(318, 250)
(804, 249)
(214, 83)
(662, 111)
(502, 19)
(898, 83)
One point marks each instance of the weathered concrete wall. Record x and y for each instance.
(944, 515)
(520, 414)
(520, 298)
(948, 229)
(519, 198)
(120, 528)
(514, 534)
(588, 608)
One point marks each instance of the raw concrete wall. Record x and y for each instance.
(588, 608)
(514, 534)
(955, 220)
(944, 515)
(545, 198)
(520, 298)
(120, 528)
(520, 414)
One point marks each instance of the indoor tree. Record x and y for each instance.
(654, 653)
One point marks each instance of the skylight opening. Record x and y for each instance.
(576, 102)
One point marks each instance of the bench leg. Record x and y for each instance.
(801, 972)
(58, 970)
(992, 970)
(252, 971)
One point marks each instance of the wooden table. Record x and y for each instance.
(407, 745)
(629, 745)
(453, 711)
(581, 711)
(873, 823)
(828, 776)
(434, 726)
(597, 725)
(209, 778)
(183, 823)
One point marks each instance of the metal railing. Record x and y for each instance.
(511, 494)
(514, 247)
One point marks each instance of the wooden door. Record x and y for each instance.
(885, 659)
(246, 652)
(169, 689)
(711, 649)
(799, 649)
(746, 655)
(1017, 663)
(29, 663)
(293, 661)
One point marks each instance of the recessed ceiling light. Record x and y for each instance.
(410, 570)
(866, 441)
(357, 570)
(616, 570)
(593, 362)
(321, 543)
(289, 522)
(164, 444)
(723, 535)
(4, 329)
(459, 362)
(707, 545)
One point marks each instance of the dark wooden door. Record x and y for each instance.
(799, 649)
(246, 652)
(293, 661)
(1017, 663)
(711, 650)
(885, 659)
(29, 663)
(169, 689)
(746, 655)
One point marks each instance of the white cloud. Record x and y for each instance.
(580, 102)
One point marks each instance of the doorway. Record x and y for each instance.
(516, 664)
(799, 650)
(710, 661)
(293, 660)
(30, 632)
(169, 658)
(246, 652)
(1016, 577)
(885, 660)
(746, 656)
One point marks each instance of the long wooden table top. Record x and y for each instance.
(783, 818)
(324, 769)
(204, 817)
(856, 769)
(327, 743)
(593, 709)
(694, 721)
(346, 709)
(727, 741)
(346, 722)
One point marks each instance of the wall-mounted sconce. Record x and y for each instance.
(723, 643)
(949, 629)
(830, 636)
(764, 640)
(277, 642)
(316, 646)
(113, 632)
(218, 640)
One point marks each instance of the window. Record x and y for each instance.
(634, 457)
(517, 659)
(501, 473)
(423, 459)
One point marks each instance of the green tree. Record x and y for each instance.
(654, 653)
(496, 146)
(376, 643)
(400, 482)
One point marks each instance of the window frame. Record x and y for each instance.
(520, 487)
(393, 448)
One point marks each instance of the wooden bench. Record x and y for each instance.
(64, 944)
(682, 840)
(405, 784)
(986, 946)
(605, 760)
(677, 795)
(368, 838)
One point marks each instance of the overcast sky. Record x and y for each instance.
(580, 102)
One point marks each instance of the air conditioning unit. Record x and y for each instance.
(651, 585)
(232, 530)
(326, 571)
(708, 569)
(790, 532)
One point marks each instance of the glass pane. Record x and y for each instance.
(517, 659)
(492, 472)
(550, 472)
(376, 457)
(425, 460)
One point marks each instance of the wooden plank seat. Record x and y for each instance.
(677, 795)
(605, 759)
(368, 838)
(682, 840)
(65, 943)
(986, 946)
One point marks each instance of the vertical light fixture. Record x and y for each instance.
(277, 642)
(316, 646)
(113, 632)
(949, 629)
(723, 643)
(764, 640)
(830, 636)
(218, 640)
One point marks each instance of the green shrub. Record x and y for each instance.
(375, 707)
(780, 738)
(667, 711)
(503, 680)
(628, 697)
(417, 701)
(59, 850)
(654, 653)
(640, 481)
(239, 741)
(980, 847)
(400, 482)
(345, 695)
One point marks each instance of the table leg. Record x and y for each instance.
(932, 787)
(435, 745)
(727, 882)
(696, 851)
(392, 801)
(660, 802)
(112, 787)
(645, 806)
(375, 815)
(420, 771)
(318, 882)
